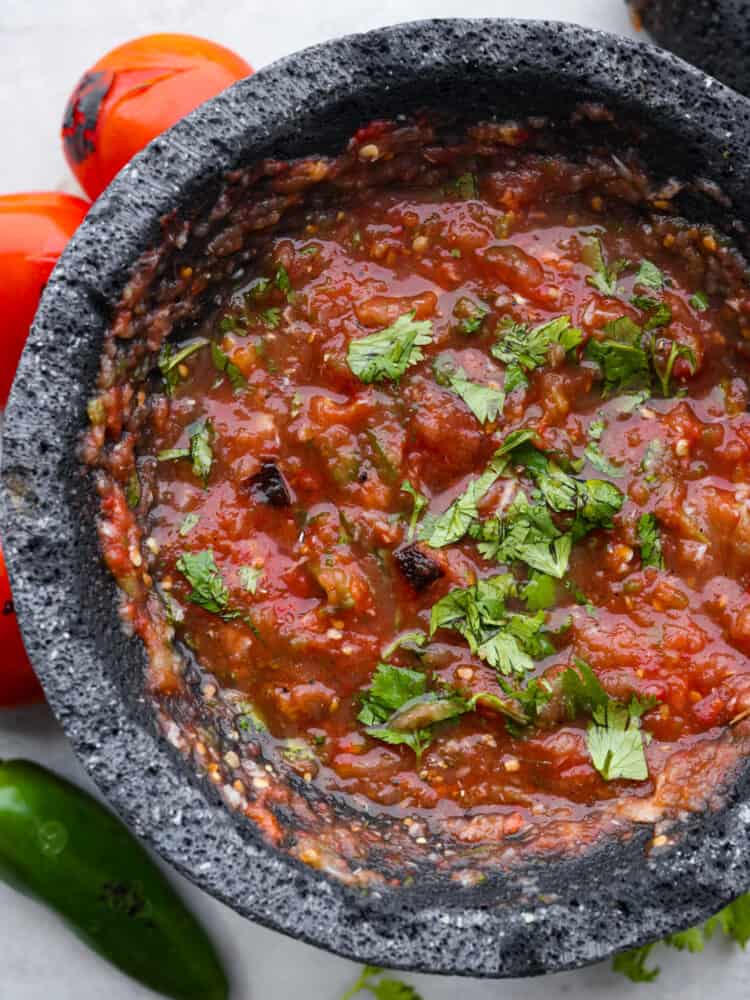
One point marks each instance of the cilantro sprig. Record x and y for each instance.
(208, 588)
(523, 349)
(605, 276)
(388, 353)
(484, 401)
(614, 737)
(382, 987)
(649, 537)
(170, 359)
(419, 502)
(200, 437)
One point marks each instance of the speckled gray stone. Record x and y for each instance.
(712, 34)
(564, 913)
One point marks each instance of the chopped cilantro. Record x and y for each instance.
(699, 301)
(597, 428)
(466, 187)
(200, 434)
(170, 360)
(507, 641)
(188, 523)
(522, 349)
(383, 988)
(650, 276)
(614, 736)
(733, 920)
(208, 589)
(598, 502)
(222, 364)
(397, 709)
(133, 490)
(471, 315)
(649, 538)
(664, 372)
(621, 356)
(485, 402)
(525, 533)
(281, 280)
(454, 522)
(604, 278)
(271, 317)
(389, 352)
(596, 457)
(420, 501)
(653, 459)
(250, 577)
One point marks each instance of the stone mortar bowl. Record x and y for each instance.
(564, 913)
(712, 34)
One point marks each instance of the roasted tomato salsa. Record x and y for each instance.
(453, 491)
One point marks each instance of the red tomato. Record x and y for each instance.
(34, 229)
(18, 683)
(134, 93)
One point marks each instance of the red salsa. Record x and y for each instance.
(452, 493)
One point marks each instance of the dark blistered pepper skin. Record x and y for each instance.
(59, 845)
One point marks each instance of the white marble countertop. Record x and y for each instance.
(44, 47)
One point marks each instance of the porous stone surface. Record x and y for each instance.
(571, 912)
(712, 34)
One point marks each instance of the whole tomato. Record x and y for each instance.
(34, 229)
(133, 94)
(18, 683)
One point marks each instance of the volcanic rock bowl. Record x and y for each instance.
(712, 34)
(552, 916)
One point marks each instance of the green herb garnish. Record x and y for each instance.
(250, 577)
(420, 501)
(222, 364)
(523, 350)
(649, 537)
(485, 402)
(604, 278)
(699, 301)
(389, 352)
(209, 590)
(170, 359)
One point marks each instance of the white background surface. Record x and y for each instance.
(44, 47)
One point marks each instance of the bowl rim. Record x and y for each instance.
(41, 488)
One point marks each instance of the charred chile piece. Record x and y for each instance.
(418, 567)
(269, 486)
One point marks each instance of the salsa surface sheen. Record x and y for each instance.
(297, 514)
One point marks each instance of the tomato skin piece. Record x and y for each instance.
(34, 230)
(135, 92)
(18, 683)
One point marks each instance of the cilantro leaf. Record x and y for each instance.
(632, 964)
(614, 737)
(734, 920)
(525, 533)
(523, 350)
(282, 281)
(133, 490)
(604, 278)
(484, 401)
(200, 435)
(649, 537)
(621, 356)
(201, 453)
(386, 988)
(389, 352)
(208, 589)
(505, 640)
(170, 359)
(596, 457)
(420, 502)
(598, 502)
(615, 743)
(250, 577)
(188, 523)
(650, 276)
(471, 315)
(699, 301)
(390, 688)
(597, 428)
(222, 364)
(466, 186)
(664, 371)
(271, 317)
